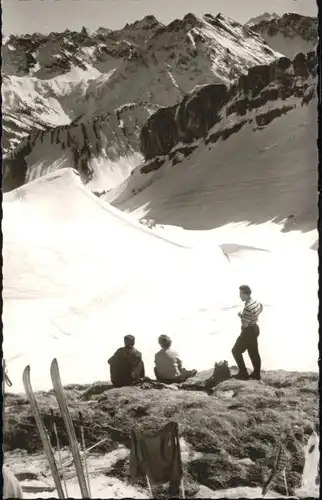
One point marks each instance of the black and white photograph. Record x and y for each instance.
(160, 249)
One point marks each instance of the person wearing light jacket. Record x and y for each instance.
(168, 365)
(248, 338)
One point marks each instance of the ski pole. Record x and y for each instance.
(285, 482)
(58, 450)
(5, 375)
(148, 482)
(84, 450)
(70, 461)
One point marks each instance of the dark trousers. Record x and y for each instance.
(247, 341)
(130, 376)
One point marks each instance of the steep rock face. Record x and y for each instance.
(164, 141)
(213, 104)
(189, 120)
(289, 34)
(103, 150)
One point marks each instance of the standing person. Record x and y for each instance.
(248, 339)
(126, 365)
(168, 366)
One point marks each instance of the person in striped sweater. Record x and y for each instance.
(248, 339)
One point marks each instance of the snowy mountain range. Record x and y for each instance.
(82, 99)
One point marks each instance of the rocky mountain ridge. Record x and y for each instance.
(289, 25)
(47, 56)
(290, 33)
(262, 18)
(217, 104)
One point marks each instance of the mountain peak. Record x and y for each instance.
(221, 21)
(149, 21)
(191, 18)
(222, 17)
(103, 31)
(188, 22)
(266, 17)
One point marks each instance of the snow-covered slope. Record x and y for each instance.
(78, 274)
(289, 34)
(73, 265)
(81, 76)
(260, 134)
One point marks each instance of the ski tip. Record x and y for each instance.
(54, 370)
(54, 363)
(26, 375)
(26, 370)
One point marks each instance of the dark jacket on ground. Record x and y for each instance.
(157, 455)
(126, 366)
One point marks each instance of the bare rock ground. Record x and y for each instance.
(228, 435)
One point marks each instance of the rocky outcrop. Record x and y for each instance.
(215, 454)
(14, 169)
(206, 106)
(81, 145)
(189, 120)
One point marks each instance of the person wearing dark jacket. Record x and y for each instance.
(247, 340)
(126, 365)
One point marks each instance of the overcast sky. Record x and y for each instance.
(28, 16)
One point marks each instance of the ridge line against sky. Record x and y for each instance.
(44, 16)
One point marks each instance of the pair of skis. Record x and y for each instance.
(62, 403)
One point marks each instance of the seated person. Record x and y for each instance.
(126, 365)
(168, 366)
